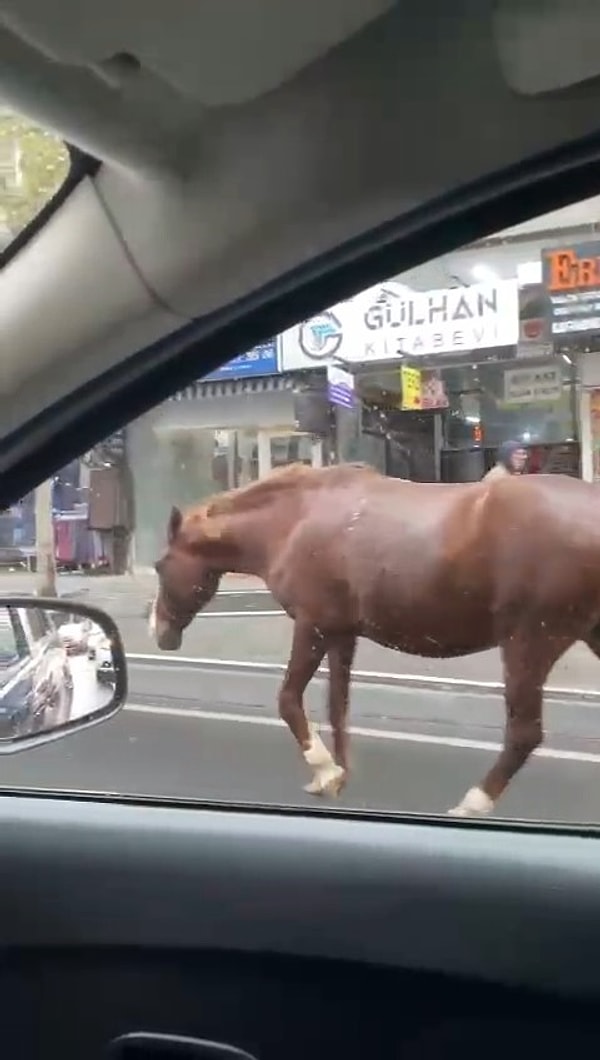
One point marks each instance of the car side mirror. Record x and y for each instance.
(62, 669)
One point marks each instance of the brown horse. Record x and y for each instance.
(434, 570)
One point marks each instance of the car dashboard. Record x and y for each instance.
(289, 936)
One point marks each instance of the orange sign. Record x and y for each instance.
(566, 270)
(571, 277)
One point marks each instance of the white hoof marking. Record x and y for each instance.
(475, 804)
(328, 778)
(327, 782)
(152, 619)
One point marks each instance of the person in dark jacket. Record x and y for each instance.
(510, 460)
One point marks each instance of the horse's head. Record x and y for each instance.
(187, 581)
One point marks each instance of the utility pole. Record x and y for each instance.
(44, 540)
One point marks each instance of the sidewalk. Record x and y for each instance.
(267, 639)
(130, 592)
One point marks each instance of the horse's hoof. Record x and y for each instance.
(329, 785)
(458, 811)
(475, 804)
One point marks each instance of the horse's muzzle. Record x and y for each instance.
(168, 638)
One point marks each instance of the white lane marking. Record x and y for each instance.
(243, 592)
(396, 736)
(385, 677)
(239, 614)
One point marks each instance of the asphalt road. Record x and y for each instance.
(475, 716)
(192, 734)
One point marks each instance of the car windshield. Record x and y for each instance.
(345, 563)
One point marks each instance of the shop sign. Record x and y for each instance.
(340, 387)
(388, 323)
(422, 388)
(445, 321)
(260, 360)
(528, 386)
(571, 278)
(433, 391)
(410, 379)
(321, 337)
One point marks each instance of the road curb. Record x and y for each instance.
(374, 677)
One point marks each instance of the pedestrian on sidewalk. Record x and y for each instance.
(510, 460)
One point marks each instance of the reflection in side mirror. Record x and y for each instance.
(62, 668)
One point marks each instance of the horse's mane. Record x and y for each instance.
(279, 480)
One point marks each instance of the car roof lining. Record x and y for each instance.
(155, 69)
(284, 178)
(265, 41)
(138, 85)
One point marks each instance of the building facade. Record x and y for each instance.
(422, 377)
(230, 428)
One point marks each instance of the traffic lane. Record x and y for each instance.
(269, 639)
(192, 758)
(472, 715)
(89, 694)
(137, 603)
(229, 600)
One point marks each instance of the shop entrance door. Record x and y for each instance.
(414, 446)
(277, 448)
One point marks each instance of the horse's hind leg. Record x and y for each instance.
(527, 663)
(340, 656)
(593, 641)
(308, 648)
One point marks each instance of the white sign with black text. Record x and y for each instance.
(529, 386)
(389, 322)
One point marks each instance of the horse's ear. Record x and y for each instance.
(174, 526)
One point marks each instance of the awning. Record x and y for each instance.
(204, 391)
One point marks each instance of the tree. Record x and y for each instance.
(44, 540)
(34, 163)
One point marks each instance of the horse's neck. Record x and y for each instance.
(254, 536)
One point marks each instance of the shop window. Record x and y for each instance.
(489, 403)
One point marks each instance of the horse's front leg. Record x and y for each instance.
(340, 655)
(527, 663)
(308, 649)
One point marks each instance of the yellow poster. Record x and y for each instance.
(410, 379)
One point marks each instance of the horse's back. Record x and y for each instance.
(428, 567)
(369, 550)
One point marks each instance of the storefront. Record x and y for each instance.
(442, 378)
(438, 379)
(225, 431)
(90, 529)
(571, 285)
